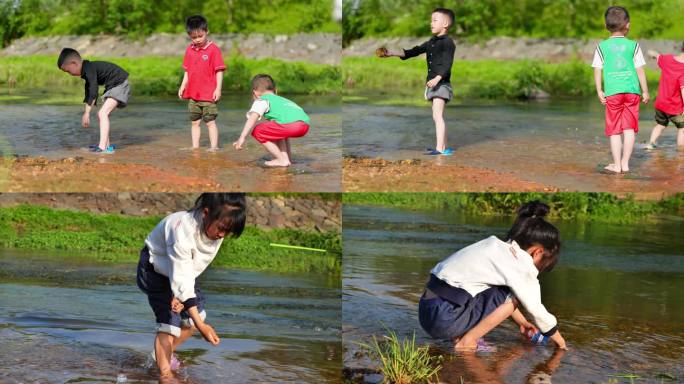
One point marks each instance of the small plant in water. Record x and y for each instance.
(403, 362)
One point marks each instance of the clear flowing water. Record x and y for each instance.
(68, 320)
(616, 292)
(157, 132)
(558, 142)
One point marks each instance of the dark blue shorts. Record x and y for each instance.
(444, 319)
(157, 287)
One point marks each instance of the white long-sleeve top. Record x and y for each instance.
(180, 250)
(491, 262)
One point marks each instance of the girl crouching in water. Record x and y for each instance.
(477, 288)
(176, 252)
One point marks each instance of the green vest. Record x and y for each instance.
(619, 73)
(282, 110)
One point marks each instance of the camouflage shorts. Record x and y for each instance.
(663, 119)
(205, 110)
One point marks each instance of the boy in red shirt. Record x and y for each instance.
(669, 105)
(202, 81)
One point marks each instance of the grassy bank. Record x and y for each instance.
(161, 76)
(481, 19)
(117, 238)
(599, 207)
(484, 79)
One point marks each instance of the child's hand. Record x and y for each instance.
(382, 52)
(208, 333)
(602, 97)
(645, 97)
(559, 340)
(85, 120)
(433, 82)
(217, 94)
(176, 305)
(239, 143)
(525, 327)
(180, 92)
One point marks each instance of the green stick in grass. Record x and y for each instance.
(297, 247)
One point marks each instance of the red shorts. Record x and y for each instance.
(271, 131)
(622, 113)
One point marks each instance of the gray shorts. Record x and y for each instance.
(442, 91)
(120, 93)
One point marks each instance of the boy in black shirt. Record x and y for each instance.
(95, 73)
(439, 54)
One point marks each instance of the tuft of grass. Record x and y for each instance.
(404, 362)
(161, 76)
(118, 238)
(482, 79)
(599, 207)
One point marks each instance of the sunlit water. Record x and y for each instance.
(616, 292)
(558, 142)
(66, 320)
(156, 132)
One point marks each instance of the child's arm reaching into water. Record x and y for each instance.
(85, 120)
(522, 322)
(559, 340)
(205, 329)
(249, 125)
(598, 81)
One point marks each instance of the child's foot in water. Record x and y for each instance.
(277, 163)
(612, 168)
(478, 345)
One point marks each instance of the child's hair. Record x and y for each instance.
(66, 55)
(196, 23)
(224, 205)
(616, 18)
(263, 82)
(531, 229)
(448, 13)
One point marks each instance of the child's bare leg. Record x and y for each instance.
(213, 134)
(616, 151)
(103, 115)
(440, 126)
(501, 313)
(196, 132)
(163, 348)
(655, 133)
(627, 148)
(680, 137)
(289, 149)
(280, 159)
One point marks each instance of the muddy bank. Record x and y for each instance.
(507, 48)
(321, 48)
(308, 212)
(414, 175)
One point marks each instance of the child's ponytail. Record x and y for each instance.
(531, 229)
(224, 205)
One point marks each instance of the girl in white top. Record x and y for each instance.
(176, 252)
(475, 289)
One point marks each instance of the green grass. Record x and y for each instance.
(482, 79)
(161, 76)
(404, 362)
(117, 238)
(598, 207)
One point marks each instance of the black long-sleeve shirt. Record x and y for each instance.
(439, 54)
(96, 73)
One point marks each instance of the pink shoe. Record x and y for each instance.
(483, 346)
(175, 363)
